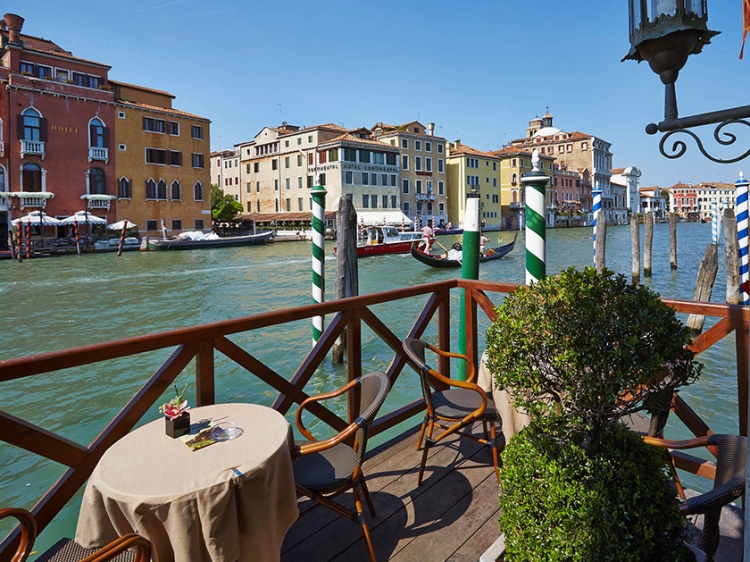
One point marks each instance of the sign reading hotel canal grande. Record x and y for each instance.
(63, 129)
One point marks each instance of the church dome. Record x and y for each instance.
(547, 132)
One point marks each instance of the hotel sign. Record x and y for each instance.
(63, 129)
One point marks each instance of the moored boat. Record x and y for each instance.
(446, 261)
(381, 240)
(187, 243)
(113, 244)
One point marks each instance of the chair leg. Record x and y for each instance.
(421, 433)
(495, 455)
(366, 493)
(363, 522)
(425, 449)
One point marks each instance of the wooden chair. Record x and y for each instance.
(729, 483)
(454, 409)
(66, 550)
(325, 469)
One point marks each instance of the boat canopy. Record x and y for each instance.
(394, 218)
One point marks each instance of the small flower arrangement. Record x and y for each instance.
(177, 405)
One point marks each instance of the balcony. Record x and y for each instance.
(37, 199)
(517, 206)
(98, 201)
(32, 147)
(429, 196)
(97, 153)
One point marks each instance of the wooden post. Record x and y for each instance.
(704, 284)
(601, 243)
(673, 240)
(648, 244)
(731, 250)
(347, 275)
(635, 248)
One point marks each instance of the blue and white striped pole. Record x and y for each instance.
(715, 221)
(318, 193)
(597, 193)
(742, 225)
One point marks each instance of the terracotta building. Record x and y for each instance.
(61, 136)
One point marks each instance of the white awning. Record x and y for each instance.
(393, 218)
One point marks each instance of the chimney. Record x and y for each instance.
(431, 129)
(14, 23)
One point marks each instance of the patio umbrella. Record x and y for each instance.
(37, 218)
(83, 216)
(119, 225)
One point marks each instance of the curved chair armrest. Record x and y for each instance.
(465, 385)
(716, 498)
(472, 371)
(317, 446)
(684, 444)
(140, 544)
(28, 531)
(317, 398)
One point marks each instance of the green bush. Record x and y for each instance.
(559, 502)
(574, 343)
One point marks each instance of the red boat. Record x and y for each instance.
(381, 240)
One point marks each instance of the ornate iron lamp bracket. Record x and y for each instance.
(723, 118)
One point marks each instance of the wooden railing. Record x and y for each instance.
(200, 344)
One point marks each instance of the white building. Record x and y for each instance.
(225, 172)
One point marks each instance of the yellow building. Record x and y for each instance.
(469, 169)
(514, 162)
(162, 162)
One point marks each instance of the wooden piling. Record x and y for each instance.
(601, 243)
(704, 285)
(648, 244)
(673, 240)
(347, 274)
(635, 248)
(731, 249)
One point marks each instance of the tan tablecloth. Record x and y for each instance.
(513, 420)
(234, 500)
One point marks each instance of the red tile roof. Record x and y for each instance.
(171, 111)
(136, 87)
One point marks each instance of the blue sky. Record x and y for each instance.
(480, 70)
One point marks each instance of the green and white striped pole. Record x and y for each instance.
(318, 193)
(469, 270)
(535, 183)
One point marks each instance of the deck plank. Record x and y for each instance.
(455, 476)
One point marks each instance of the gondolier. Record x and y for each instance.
(428, 239)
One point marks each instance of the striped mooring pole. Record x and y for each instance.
(535, 183)
(597, 193)
(318, 193)
(469, 270)
(715, 221)
(742, 226)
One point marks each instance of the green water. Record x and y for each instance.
(69, 301)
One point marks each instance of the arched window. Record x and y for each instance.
(31, 178)
(514, 197)
(176, 191)
(3, 186)
(97, 133)
(97, 182)
(30, 125)
(150, 189)
(161, 190)
(198, 191)
(514, 179)
(124, 188)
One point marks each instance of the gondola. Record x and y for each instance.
(442, 261)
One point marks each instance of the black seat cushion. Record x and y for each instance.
(459, 402)
(327, 469)
(67, 550)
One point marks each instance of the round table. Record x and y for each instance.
(233, 500)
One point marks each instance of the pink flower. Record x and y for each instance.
(172, 411)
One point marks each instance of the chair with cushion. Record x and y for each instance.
(729, 483)
(454, 409)
(325, 469)
(128, 548)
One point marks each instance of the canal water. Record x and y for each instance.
(69, 301)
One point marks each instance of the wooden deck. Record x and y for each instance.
(451, 516)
